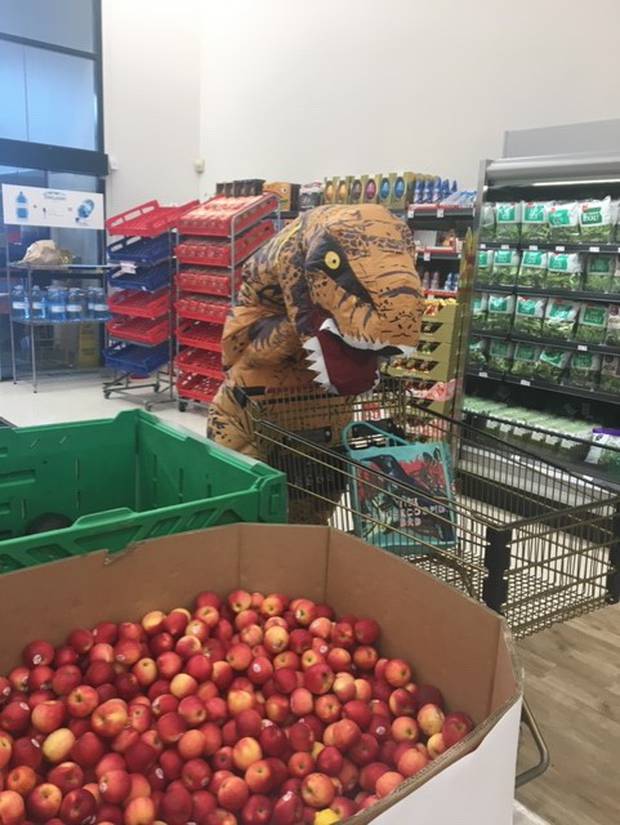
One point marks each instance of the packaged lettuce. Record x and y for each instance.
(559, 320)
(584, 369)
(524, 360)
(592, 324)
(612, 339)
(505, 267)
(533, 268)
(605, 449)
(487, 222)
(485, 266)
(500, 355)
(614, 285)
(479, 310)
(599, 269)
(499, 312)
(529, 313)
(478, 352)
(595, 219)
(610, 374)
(551, 364)
(508, 221)
(564, 221)
(564, 270)
(535, 225)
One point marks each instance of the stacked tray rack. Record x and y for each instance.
(140, 300)
(216, 237)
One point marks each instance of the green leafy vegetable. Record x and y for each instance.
(535, 226)
(551, 364)
(525, 359)
(499, 312)
(529, 313)
(592, 324)
(533, 268)
(500, 355)
(508, 221)
(485, 266)
(564, 221)
(584, 369)
(564, 271)
(477, 352)
(595, 219)
(559, 320)
(599, 269)
(613, 327)
(487, 222)
(505, 267)
(610, 374)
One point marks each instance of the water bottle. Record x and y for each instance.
(57, 303)
(445, 189)
(435, 281)
(38, 304)
(428, 191)
(21, 207)
(455, 187)
(419, 191)
(100, 307)
(426, 280)
(90, 302)
(19, 303)
(74, 304)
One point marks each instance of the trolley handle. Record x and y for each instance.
(527, 718)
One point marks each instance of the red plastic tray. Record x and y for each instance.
(208, 282)
(147, 220)
(199, 309)
(197, 387)
(200, 362)
(201, 252)
(140, 330)
(140, 304)
(200, 334)
(221, 216)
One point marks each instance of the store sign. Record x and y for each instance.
(67, 208)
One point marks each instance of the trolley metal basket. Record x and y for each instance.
(535, 542)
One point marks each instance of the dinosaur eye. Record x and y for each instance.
(332, 260)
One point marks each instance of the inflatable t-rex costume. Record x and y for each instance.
(321, 303)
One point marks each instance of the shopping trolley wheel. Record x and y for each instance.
(182, 405)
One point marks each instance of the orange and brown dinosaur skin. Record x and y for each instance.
(321, 303)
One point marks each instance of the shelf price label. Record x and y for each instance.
(426, 256)
(525, 383)
(411, 212)
(582, 348)
(440, 212)
(505, 246)
(560, 249)
(594, 249)
(533, 247)
(483, 374)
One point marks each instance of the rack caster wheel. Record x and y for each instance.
(157, 387)
(106, 393)
(182, 406)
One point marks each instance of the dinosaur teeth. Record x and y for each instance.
(329, 325)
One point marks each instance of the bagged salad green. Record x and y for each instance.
(500, 355)
(499, 312)
(479, 310)
(614, 285)
(508, 221)
(596, 221)
(533, 268)
(559, 320)
(505, 267)
(529, 314)
(610, 374)
(485, 266)
(478, 352)
(605, 449)
(487, 222)
(564, 270)
(599, 269)
(564, 221)
(524, 360)
(551, 364)
(584, 369)
(535, 225)
(612, 339)
(592, 324)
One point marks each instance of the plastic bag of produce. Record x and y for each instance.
(559, 320)
(499, 312)
(612, 339)
(595, 219)
(529, 312)
(584, 370)
(564, 221)
(477, 352)
(500, 355)
(592, 324)
(524, 360)
(605, 449)
(487, 222)
(599, 269)
(564, 270)
(551, 364)
(610, 374)
(485, 266)
(479, 306)
(614, 285)
(505, 267)
(533, 268)
(508, 221)
(535, 225)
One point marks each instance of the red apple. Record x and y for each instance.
(330, 761)
(22, 780)
(403, 703)
(196, 774)
(140, 811)
(317, 790)
(68, 776)
(397, 673)
(288, 809)
(171, 727)
(140, 757)
(98, 673)
(259, 777)
(82, 701)
(114, 786)
(412, 761)
(319, 679)
(436, 745)
(430, 719)
(43, 802)
(456, 726)
(273, 605)
(15, 717)
(429, 695)
(40, 678)
(257, 810)
(365, 658)
(366, 631)
(87, 750)
(233, 793)
(199, 666)
(12, 810)
(171, 764)
(246, 752)
(301, 764)
(240, 600)
(276, 639)
(109, 718)
(78, 807)
(405, 729)
(365, 750)
(343, 635)
(387, 783)
(260, 670)
(145, 671)
(328, 708)
(277, 708)
(204, 804)
(101, 652)
(164, 703)
(273, 740)
(26, 751)
(369, 775)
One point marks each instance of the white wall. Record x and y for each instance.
(152, 99)
(297, 90)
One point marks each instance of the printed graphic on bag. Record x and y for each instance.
(479, 310)
(592, 325)
(584, 369)
(505, 267)
(596, 220)
(508, 221)
(535, 226)
(599, 269)
(551, 364)
(564, 221)
(487, 222)
(533, 268)
(564, 270)
(499, 312)
(524, 360)
(610, 374)
(559, 320)
(529, 313)
(477, 352)
(485, 265)
(500, 355)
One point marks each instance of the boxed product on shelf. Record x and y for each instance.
(505, 267)
(551, 364)
(371, 185)
(329, 190)
(564, 270)
(287, 194)
(508, 216)
(310, 195)
(592, 323)
(533, 268)
(535, 226)
(529, 314)
(560, 318)
(342, 189)
(584, 370)
(610, 374)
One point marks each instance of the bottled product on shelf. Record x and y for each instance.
(58, 304)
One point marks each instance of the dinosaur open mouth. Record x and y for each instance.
(346, 365)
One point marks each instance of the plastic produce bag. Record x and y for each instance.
(500, 355)
(508, 221)
(599, 269)
(559, 320)
(529, 313)
(499, 312)
(605, 449)
(551, 364)
(610, 374)
(46, 253)
(485, 266)
(525, 358)
(477, 352)
(533, 268)
(592, 324)
(487, 222)
(564, 221)
(564, 271)
(612, 339)
(595, 218)
(584, 369)
(614, 285)
(505, 267)
(479, 306)
(535, 226)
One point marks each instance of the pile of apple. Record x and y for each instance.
(252, 710)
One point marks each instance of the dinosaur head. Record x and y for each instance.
(358, 299)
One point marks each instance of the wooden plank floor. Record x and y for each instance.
(572, 682)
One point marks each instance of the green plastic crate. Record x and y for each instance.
(122, 480)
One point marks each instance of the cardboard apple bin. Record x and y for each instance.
(450, 640)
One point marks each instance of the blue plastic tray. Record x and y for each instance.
(136, 360)
(144, 279)
(141, 251)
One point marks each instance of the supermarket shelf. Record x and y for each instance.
(80, 270)
(201, 335)
(534, 383)
(46, 322)
(142, 331)
(200, 362)
(603, 248)
(202, 252)
(440, 293)
(549, 342)
(148, 220)
(439, 253)
(438, 211)
(568, 294)
(223, 217)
